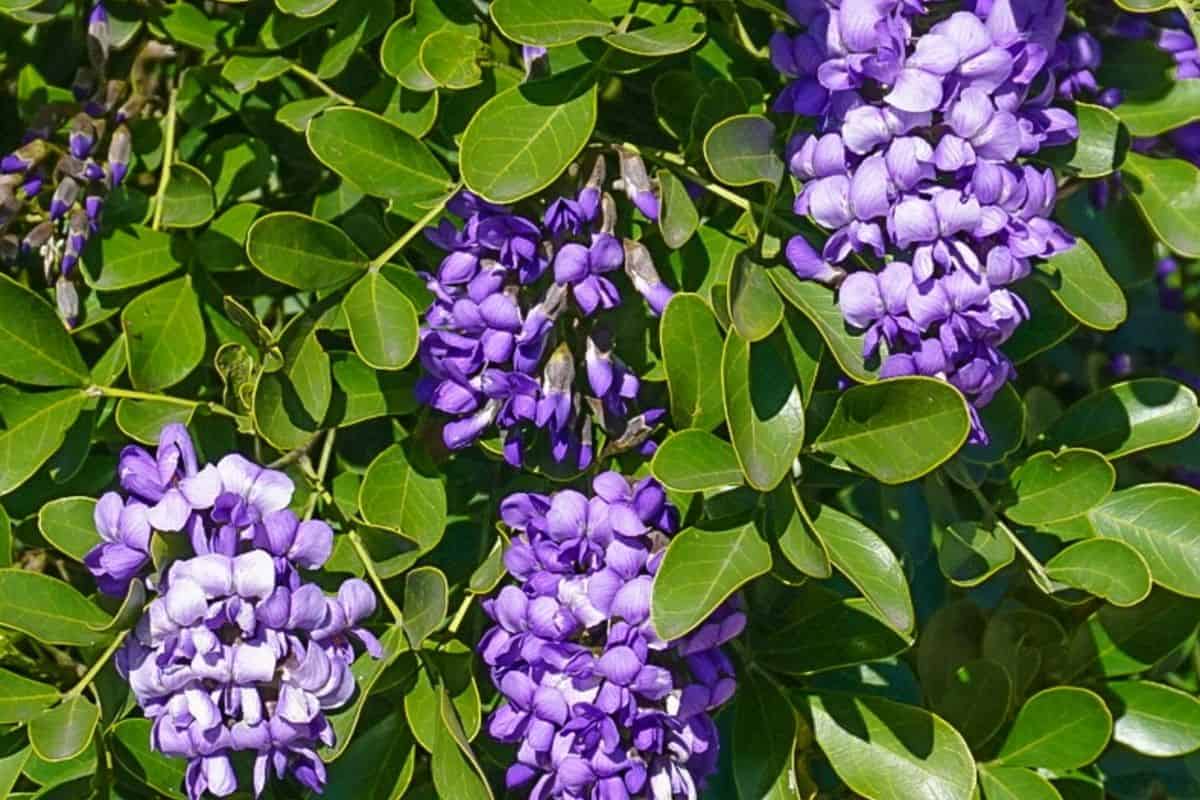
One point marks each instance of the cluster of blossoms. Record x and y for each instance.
(517, 307)
(236, 652)
(600, 707)
(924, 113)
(69, 184)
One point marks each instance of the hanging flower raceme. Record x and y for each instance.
(597, 704)
(916, 167)
(515, 338)
(236, 651)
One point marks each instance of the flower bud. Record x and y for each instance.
(37, 237)
(67, 299)
(637, 184)
(82, 136)
(640, 268)
(99, 38)
(24, 157)
(64, 197)
(119, 151)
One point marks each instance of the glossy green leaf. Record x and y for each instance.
(549, 25)
(1122, 641)
(1048, 324)
(1015, 783)
(142, 420)
(700, 570)
(65, 730)
(764, 741)
(1158, 521)
(35, 426)
(1051, 487)
(1100, 148)
(522, 139)
(164, 334)
(691, 344)
(383, 323)
(129, 742)
(401, 50)
(695, 461)
(897, 430)
(742, 151)
(818, 303)
(66, 522)
(969, 553)
(443, 669)
(362, 393)
(302, 252)
(657, 41)
(1116, 232)
(866, 560)
(888, 750)
(1153, 112)
(977, 700)
(22, 699)
(189, 201)
(426, 601)
(35, 347)
(376, 155)
(793, 533)
(367, 671)
(1127, 417)
(304, 8)
(1153, 719)
(1058, 729)
(405, 497)
(128, 257)
(679, 219)
(754, 304)
(377, 765)
(763, 408)
(1167, 191)
(451, 59)
(1004, 419)
(1085, 289)
(247, 72)
(456, 771)
(48, 609)
(1107, 568)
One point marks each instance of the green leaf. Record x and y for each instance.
(304, 8)
(290, 404)
(1107, 568)
(742, 151)
(763, 408)
(1128, 417)
(522, 139)
(898, 429)
(426, 601)
(491, 570)
(367, 672)
(48, 609)
(1167, 191)
(657, 41)
(35, 427)
(302, 252)
(754, 305)
(969, 553)
(445, 670)
(1153, 719)
(403, 497)
(383, 323)
(65, 730)
(35, 347)
(127, 257)
(401, 48)
(818, 303)
(1116, 232)
(6, 539)
(363, 393)
(691, 344)
(1004, 420)
(142, 420)
(1100, 148)
(189, 201)
(451, 59)
(377, 765)
(1015, 783)
(764, 741)
(701, 569)
(866, 560)
(1122, 641)
(549, 25)
(1159, 522)
(376, 155)
(822, 632)
(976, 701)
(695, 461)
(456, 771)
(1085, 289)
(66, 523)
(129, 742)
(1051, 487)
(22, 699)
(1153, 112)
(164, 334)
(888, 750)
(1048, 324)
(679, 219)
(1061, 728)
(793, 534)
(247, 72)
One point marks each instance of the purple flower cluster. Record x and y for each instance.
(236, 652)
(915, 166)
(71, 179)
(516, 307)
(599, 706)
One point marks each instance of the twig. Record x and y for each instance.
(316, 81)
(168, 156)
(90, 675)
(412, 232)
(369, 565)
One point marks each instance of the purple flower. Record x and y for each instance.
(626, 714)
(124, 549)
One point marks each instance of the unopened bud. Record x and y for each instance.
(68, 300)
(37, 237)
(82, 136)
(637, 184)
(84, 84)
(64, 197)
(119, 151)
(99, 38)
(24, 157)
(640, 267)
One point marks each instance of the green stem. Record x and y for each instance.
(460, 614)
(168, 156)
(369, 565)
(130, 394)
(412, 232)
(322, 468)
(679, 164)
(316, 81)
(1029, 557)
(94, 670)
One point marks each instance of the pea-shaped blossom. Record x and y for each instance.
(236, 651)
(598, 705)
(517, 321)
(924, 119)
